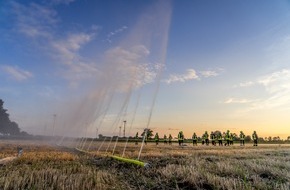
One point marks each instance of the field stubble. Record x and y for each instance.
(44, 166)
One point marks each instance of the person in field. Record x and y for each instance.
(220, 139)
(145, 138)
(170, 139)
(202, 139)
(255, 138)
(227, 138)
(242, 138)
(231, 139)
(180, 138)
(206, 137)
(136, 138)
(212, 138)
(194, 139)
(156, 138)
(165, 139)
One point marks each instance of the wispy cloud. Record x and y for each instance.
(189, 75)
(237, 101)
(16, 73)
(277, 85)
(67, 49)
(115, 32)
(272, 82)
(277, 90)
(209, 73)
(192, 74)
(276, 81)
(245, 84)
(39, 22)
(34, 20)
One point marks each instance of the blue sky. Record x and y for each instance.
(193, 65)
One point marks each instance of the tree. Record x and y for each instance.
(261, 139)
(235, 135)
(248, 138)
(216, 133)
(7, 127)
(288, 138)
(149, 133)
(276, 138)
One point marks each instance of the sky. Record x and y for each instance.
(82, 67)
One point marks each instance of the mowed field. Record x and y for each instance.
(44, 165)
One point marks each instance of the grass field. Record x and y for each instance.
(43, 166)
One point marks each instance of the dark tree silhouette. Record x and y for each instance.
(149, 133)
(8, 127)
(248, 138)
(217, 132)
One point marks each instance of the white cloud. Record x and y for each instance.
(246, 84)
(276, 81)
(272, 82)
(67, 49)
(40, 22)
(277, 85)
(67, 52)
(209, 73)
(192, 74)
(17, 73)
(189, 75)
(115, 32)
(237, 101)
(34, 20)
(277, 88)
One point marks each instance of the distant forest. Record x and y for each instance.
(8, 127)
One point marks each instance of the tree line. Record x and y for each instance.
(150, 135)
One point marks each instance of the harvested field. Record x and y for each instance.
(43, 166)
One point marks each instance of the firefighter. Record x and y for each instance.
(227, 138)
(255, 138)
(231, 139)
(145, 138)
(170, 139)
(156, 138)
(206, 138)
(180, 138)
(165, 139)
(242, 138)
(220, 139)
(202, 139)
(212, 138)
(194, 139)
(136, 138)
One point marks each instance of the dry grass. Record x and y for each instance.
(172, 167)
(47, 167)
